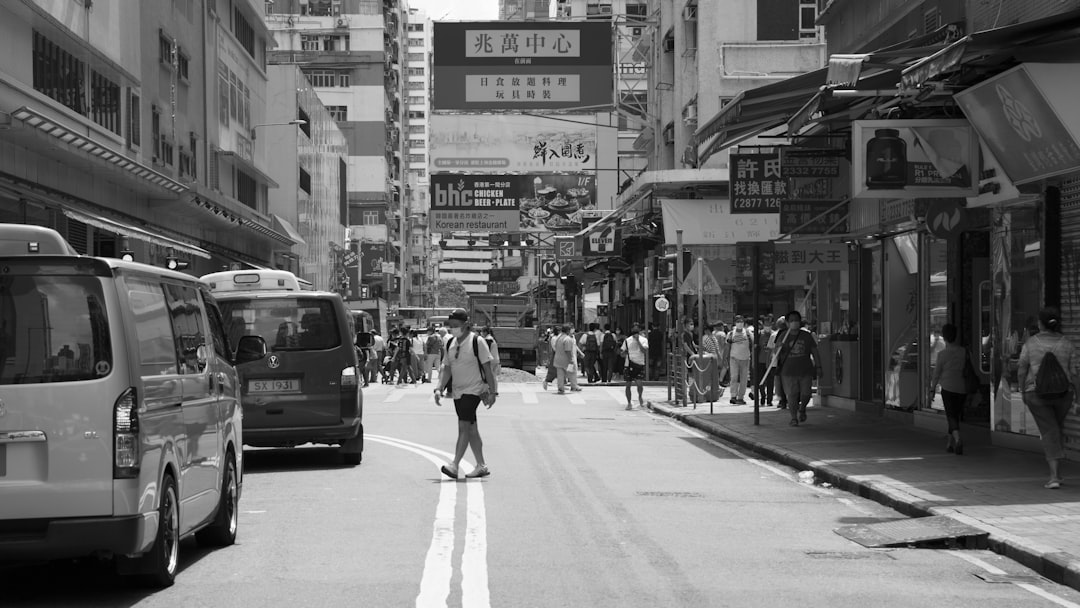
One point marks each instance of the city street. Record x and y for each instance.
(587, 505)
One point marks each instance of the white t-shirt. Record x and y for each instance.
(463, 365)
(635, 349)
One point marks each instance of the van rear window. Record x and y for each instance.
(285, 323)
(53, 329)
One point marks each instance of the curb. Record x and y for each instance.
(1057, 566)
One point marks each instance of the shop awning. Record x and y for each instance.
(284, 226)
(134, 232)
(1055, 38)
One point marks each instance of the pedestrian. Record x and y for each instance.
(635, 351)
(609, 354)
(590, 346)
(433, 348)
(493, 347)
(740, 342)
(778, 387)
(553, 341)
(948, 371)
(466, 372)
(763, 343)
(402, 356)
(1047, 375)
(689, 339)
(620, 337)
(801, 363)
(656, 352)
(710, 347)
(576, 355)
(380, 353)
(417, 347)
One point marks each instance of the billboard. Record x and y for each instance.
(914, 159)
(496, 65)
(713, 222)
(510, 142)
(510, 203)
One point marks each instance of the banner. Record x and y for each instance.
(520, 66)
(511, 142)
(372, 256)
(711, 222)
(510, 203)
(914, 159)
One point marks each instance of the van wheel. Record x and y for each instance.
(352, 451)
(163, 559)
(222, 532)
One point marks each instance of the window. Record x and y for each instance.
(234, 96)
(134, 137)
(415, 143)
(416, 100)
(153, 329)
(63, 77)
(416, 27)
(246, 189)
(155, 131)
(416, 42)
(321, 8)
(637, 9)
(309, 42)
(223, 94)
(217, 329)
(182, 62)
(187, 327)
(416, 129)
(414, 57)
(931, 20)
(245, 34)
(104, 102)
(777, 20)
(415, 85)
(416, 114)
(417, 158)
(370, 218)
(328, 78)
(807, 19)
(65, 316)
(295, 323)
(166, 49)
(305, 181)
(414, 71)
(339, 113)
(336, 43)
(186, 163)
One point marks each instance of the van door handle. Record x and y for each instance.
(221, 378)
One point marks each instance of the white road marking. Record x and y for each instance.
(992, 569)
(528, 395)
(438, 565)
(575, 398)
(394, 395)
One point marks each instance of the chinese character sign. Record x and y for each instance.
(532, 65)
(509, 203)
(813, 217)
(804, 257)
(757, 185)
(511, 142)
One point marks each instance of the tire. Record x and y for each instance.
(162, 561)
(222, 531)
(352, 451)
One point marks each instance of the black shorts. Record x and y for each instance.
(634, 371)
(466, 407)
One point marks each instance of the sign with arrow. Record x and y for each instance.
(706, 285)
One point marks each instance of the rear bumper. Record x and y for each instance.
(33, 539)
(292, 436)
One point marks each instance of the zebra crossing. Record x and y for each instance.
(529, 393)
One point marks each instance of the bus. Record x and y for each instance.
(307, 388)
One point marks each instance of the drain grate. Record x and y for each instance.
(672, 494)
(1010, 578)
(848, 555)
(922, 531)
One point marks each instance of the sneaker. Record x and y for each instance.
(449, 472)
(480, 471)
(1052, 485)
(802, 416)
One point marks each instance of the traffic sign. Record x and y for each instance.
(550, 269)
(662, 304)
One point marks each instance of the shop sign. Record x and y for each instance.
(814, 217)
(600, 243)
(388, 268)
(567, 248)
(806, 257)
(504, 274)
(712, 222)
(810, 162)
(550, 268)
(757, 185)
(914, 158)
(510, 203)
(503, 287)
(946, 218)
(1013, 114)
(499, 66)
(372, 256)
(508, 143)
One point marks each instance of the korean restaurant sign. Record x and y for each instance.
(757, 185)
(528, 66)
(804, 257)
(509, 203)
(510, 142)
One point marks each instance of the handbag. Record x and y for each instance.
(971, 379)
(571, 369)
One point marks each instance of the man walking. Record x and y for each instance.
(466, 372)
(740, 341)
(635, 350)
(590, 345)
(433, 348)
(801, 364)
(552, 343)
(418, 345)
(609, 354)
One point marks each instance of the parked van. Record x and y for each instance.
(120, 419)
(307, 389)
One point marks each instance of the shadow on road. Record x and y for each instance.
(260, 461)
(82, 582)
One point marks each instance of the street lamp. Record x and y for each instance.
(297, 122)
(126, 253)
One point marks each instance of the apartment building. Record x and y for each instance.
(524, 10)
(421, 255)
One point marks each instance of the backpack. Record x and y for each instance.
(591, 344)
(609, 343)
(476, 353)
(1051, 382)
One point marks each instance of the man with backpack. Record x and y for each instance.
(466, 372)
(609, 354)
(433, 347)
(590, 345)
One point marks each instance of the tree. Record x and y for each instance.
(451, 293)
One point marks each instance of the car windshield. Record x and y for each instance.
(285, 323)
(53, 329)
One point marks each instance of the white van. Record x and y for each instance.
(120, 420)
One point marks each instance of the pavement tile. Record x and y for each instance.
(906, 467)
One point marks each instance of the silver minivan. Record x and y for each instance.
(120, 418)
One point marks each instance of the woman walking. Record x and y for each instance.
(1042, 388)
(949, 373)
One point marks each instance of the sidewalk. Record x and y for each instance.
(997, 489)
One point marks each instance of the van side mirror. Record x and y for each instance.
(364, 339)
(250, 348)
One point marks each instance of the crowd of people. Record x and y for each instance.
(411, 356)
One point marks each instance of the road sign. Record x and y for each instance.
(550, 269)
(662, 304)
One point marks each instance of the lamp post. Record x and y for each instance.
(297, 122)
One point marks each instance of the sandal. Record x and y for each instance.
(451, 473)
(1053, 484)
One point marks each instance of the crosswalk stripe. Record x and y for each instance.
(395, 395)
(576, 398)
(528, 393)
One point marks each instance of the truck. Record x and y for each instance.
(511, 321)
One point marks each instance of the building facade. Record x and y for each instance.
(139, 145)
(524, 10)
(421, 255)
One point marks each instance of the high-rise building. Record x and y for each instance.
(524, 10)
(351, 53)
(421, 265)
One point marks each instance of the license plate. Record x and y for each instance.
(291, 385)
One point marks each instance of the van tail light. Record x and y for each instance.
(348, 378)
(126, 456)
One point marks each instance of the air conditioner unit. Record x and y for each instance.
(669, 45)
(342, 22)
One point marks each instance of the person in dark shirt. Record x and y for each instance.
(801, 364)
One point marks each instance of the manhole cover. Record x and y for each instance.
(919, 531)
(672, 494)
(1010, 578)
(847, 555)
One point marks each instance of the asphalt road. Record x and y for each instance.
(587, 505)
